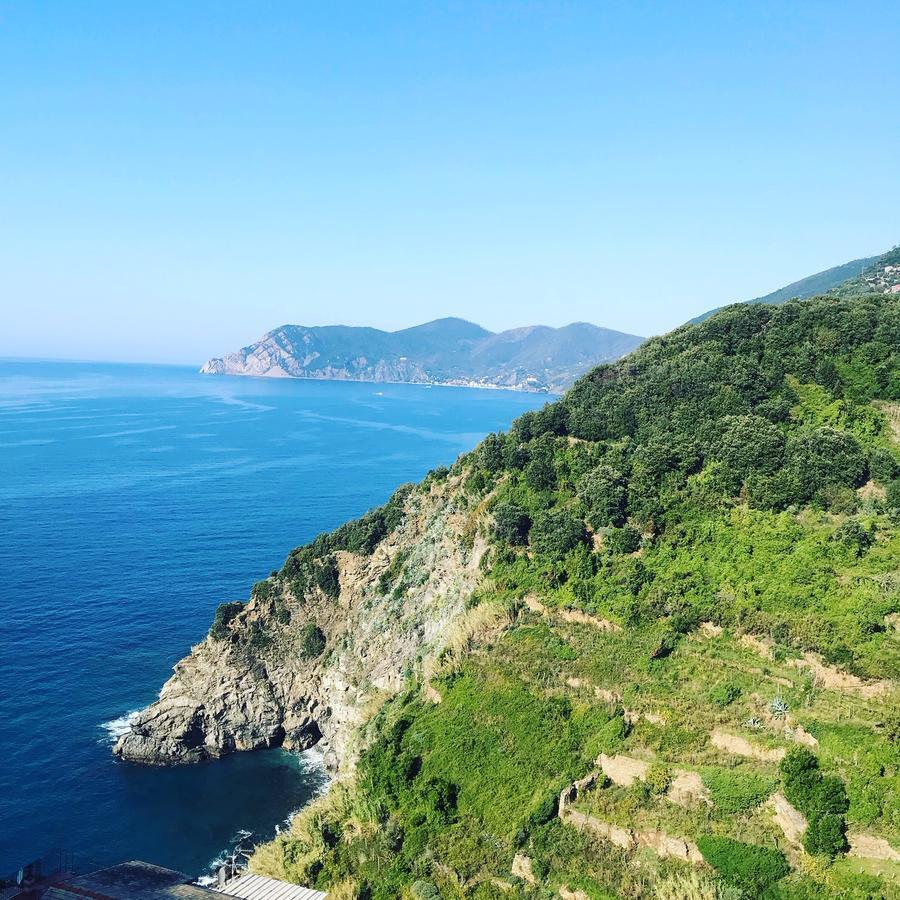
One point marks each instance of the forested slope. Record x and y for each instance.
(693, 571)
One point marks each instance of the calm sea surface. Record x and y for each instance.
(133, 500)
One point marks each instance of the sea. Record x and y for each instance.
(133, 500)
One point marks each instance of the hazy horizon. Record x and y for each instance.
(179, 180)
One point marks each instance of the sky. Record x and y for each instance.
(178, 178)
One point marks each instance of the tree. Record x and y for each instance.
(852, 534)
(623, 540)
(750, 444)
(491, 453)
(602, 491)
(892, 494)
(511, 524)
(823, 456)
(556, 532)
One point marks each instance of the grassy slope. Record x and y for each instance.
(740, 472)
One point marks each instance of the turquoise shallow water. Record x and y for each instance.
(133, 500)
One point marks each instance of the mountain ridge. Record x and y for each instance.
(854, 277)
(449, 351)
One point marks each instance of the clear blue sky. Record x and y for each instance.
(177, 178)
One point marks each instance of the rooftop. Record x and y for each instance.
(258, 887)
(130, 881)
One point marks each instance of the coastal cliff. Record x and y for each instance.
(317, 645)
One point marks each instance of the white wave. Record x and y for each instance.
(115, 728)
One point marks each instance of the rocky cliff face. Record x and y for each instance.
(254, 682)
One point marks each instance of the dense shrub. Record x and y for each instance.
(511, 523)
(852, 535)
(883, 466)
(491, 453)
(603, 494)
(623, 540)
(312, 641)
(892, 494)
(326, 576)
(750, 444)
(539, 473)
(749, 866)
(659, 777)
(225, 613)
(819, 457)
(556, 532)
(822, 799)
(725, 693)
(264, 590)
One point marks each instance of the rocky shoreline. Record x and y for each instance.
(254, 687)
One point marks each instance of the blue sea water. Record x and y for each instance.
(133, 500)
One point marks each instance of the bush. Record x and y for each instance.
(750, 444)
(326, 575)
(892, 494)
(853, 536)
(312, 641)
(659, 777)
(540, 474)
(225, 614)
(623, 540)
(749, 866)
(725, 693)
(824, 456)
(822, 799)
(556, 532)
(882, 465)
(511, 524)
(263, 590)
(491, 454)
(603, 494)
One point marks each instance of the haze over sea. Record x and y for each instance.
(133, 500)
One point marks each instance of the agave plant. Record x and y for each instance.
(778, 707)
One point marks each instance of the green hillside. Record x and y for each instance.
(873, 274)
(685, 642)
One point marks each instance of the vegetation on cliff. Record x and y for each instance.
(677, 674)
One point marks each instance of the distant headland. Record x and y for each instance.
(447, 351)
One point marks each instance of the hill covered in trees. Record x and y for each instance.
(646, 644)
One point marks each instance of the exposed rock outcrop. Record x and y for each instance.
(733, 743)
(788, 818)
(868, 846)
(258, 688)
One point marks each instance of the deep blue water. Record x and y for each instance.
(133, 500)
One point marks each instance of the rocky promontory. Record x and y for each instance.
(309, 656)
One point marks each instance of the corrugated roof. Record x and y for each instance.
(258, 887)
